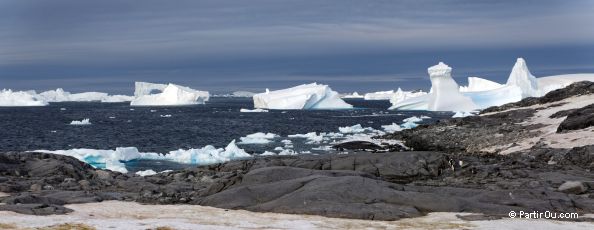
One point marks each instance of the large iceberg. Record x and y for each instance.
(19, 98)
(484, 93)
(32, 98)
(150, 94)
(401, 95)
(521, 77)
(446, 95)
(353, 95)
(59, 95)
(307, 96)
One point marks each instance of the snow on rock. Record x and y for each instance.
(258, 138)
(307, 96)
(114, 159)
(253, 111)
(479, 84)
(19, 98)
(149, 94)
(463, 114)
(381, 95)
(148, 172)
(446, 95)
(521, 77)
(354, 129)
(353, 95)
(85, 121)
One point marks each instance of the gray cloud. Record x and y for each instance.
(130, 40)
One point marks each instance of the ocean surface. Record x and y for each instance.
(163, 129)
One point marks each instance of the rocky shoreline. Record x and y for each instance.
(533, 155)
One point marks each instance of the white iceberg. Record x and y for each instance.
(401, 95)
(253, 111)
(521, 77)
(476, 84)
(484, 93)
(19, 98)
(446, 95)
(59, 95)
(381, 95)
(85, 121)
(258, 138)
(353, 95)
(307, 96)
(150, 94)
(462, 114)
(114, 159)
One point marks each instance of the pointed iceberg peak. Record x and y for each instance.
(521, 77)
(440, 69)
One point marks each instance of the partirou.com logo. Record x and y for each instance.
(543, 215)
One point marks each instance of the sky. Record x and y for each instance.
(224, 46)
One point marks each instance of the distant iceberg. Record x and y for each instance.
(307, 96)
(19, 98)
(59, 95)
(32, 98)
(85, 121)
(484, 93)
(381, 95)
(147, 94)
(353, 95)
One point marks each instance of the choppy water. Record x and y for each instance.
(216, 123)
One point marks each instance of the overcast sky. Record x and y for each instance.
(251, 45)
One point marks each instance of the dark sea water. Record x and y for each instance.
(216, 123)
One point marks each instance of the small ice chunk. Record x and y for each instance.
(253, 110)
(85, 121)
(354, 129)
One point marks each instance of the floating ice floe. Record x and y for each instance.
(258, 138)
(311, 137)
(253, 111)
(307, 96)
(484, 93)
(114, 159)
(165, 115)
(151, 94)
(354, 129)
(409, 123)
(85, 121)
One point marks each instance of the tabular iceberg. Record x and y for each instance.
(59, 95)
(147, 94)
(307, 96)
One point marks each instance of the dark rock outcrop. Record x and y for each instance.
(578, 119)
